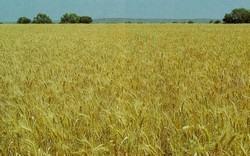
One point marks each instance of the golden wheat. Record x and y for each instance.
(125, 89)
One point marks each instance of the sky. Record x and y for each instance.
(10, 10)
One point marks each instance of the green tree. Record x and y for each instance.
(42, 19)
(240, 15)
(228, 18)
(23, 20)
(190, 22)
(85, 19)
(217, 22)
(70, 18)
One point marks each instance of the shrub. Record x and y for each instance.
(23, 20)
(85, 19)
(217, 22)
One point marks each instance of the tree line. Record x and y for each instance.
(239, 15)
(42, 18)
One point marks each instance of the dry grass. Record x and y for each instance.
(125, 90)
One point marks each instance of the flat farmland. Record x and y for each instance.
(125, 89)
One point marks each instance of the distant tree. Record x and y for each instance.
(217, 22)
(23, 20)
(70, 18)
(42, 19)
(228, 18)
(174, 22)
(190, 22)
(240, 15)
(211, 21)
(85, 19)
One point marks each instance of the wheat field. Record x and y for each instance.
(125, 89)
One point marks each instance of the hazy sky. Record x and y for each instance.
(10, 10)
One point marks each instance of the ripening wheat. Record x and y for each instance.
(125, 89)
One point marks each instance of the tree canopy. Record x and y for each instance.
(74, 18)
(23, 20)
(70, 18)
(240, 15)
(85, 19)
(42, 19)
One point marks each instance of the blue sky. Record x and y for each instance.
(10, 10)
